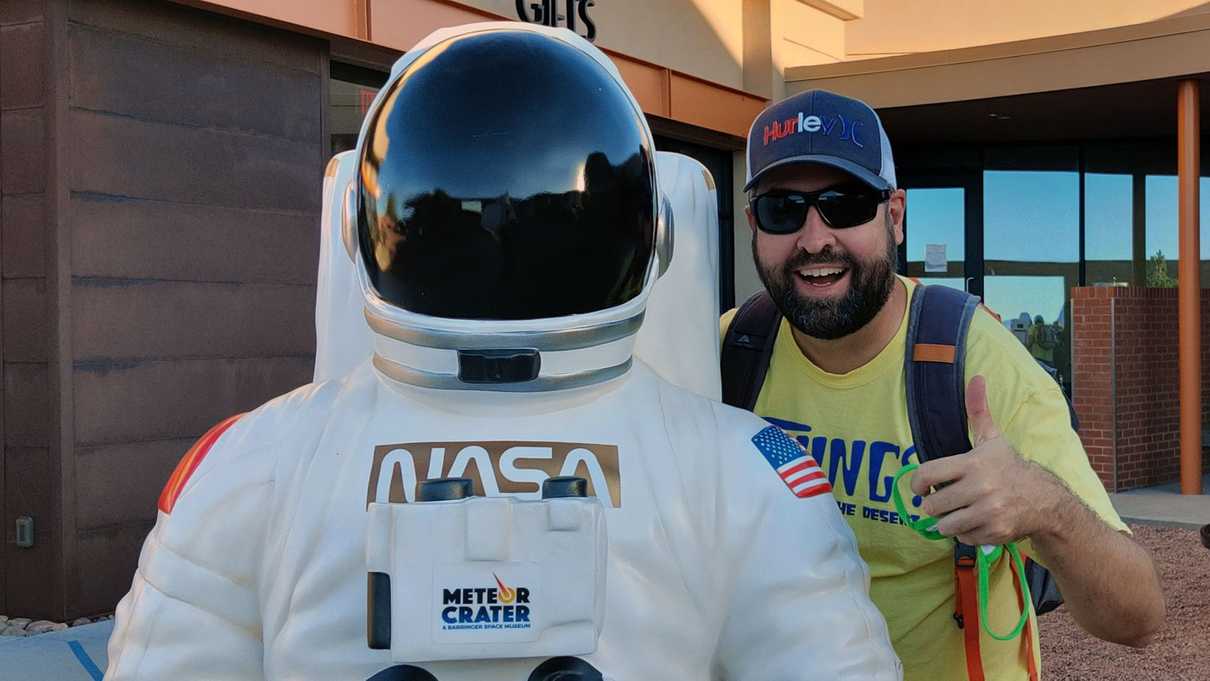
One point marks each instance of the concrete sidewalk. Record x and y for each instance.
(75, 654)
(1165, 505)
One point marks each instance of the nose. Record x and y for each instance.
(815, 234)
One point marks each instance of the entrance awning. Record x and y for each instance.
(1157, 50)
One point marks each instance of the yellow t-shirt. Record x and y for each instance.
(856, 426)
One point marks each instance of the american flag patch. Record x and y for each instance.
(796, 468)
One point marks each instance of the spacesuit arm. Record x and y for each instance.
(192, 610)
(799, 607)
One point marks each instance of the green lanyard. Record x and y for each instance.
(985, 558)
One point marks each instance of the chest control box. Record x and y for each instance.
(456, 577)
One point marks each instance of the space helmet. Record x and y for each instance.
(505, 220)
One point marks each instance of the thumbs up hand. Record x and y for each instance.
(978, 413)
(989, 495)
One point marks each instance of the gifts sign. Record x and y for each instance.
(546, 12)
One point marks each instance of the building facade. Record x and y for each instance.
(160, 167)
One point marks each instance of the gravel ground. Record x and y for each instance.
(24, 626)
(1181, 651)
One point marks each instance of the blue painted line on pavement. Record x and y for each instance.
(85, 661)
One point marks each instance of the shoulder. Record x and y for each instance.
(697, 425)
(724, 322)
(189, 463)
(754, 456)
(1032, 412)
(243, 450)
(995, 353)
(688, 415)
(756, 313)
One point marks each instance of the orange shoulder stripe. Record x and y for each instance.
(190, 462)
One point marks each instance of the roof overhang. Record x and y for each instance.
(1167, 48)
(1115, 83)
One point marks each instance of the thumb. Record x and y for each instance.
(978, 414)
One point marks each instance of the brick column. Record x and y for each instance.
(1092, 376)
(1126, 382)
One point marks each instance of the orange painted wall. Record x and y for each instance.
(715, 104)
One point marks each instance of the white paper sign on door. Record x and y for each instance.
(934, 258)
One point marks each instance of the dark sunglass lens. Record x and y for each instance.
(842, 209)
(780, 214)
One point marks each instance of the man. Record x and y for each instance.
(506, 242)
(826, 218)
(1041, 341)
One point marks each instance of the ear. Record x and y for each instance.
(896, 206)
(751, 219)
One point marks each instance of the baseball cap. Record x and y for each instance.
(817, 126)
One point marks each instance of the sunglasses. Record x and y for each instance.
(784, 212)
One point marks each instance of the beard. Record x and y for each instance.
(870, 286)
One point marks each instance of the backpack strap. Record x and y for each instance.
(966, 609)
(935, 371)
(747, 348)
(934, 360)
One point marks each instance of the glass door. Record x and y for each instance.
(1031, 213)
(943, 230)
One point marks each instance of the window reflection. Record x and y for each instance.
(1034, 309)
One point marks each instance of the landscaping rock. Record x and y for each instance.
(1178, 652)
(44, 626)
(10, 630)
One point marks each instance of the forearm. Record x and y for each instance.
(1109, 583)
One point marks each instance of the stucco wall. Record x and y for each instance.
(704, 38)
(892, 27)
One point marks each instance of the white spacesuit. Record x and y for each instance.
(507, 233)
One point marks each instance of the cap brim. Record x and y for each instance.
(860, 172)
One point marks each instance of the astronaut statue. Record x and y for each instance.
(502, 493)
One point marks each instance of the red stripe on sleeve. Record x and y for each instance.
(189, 463)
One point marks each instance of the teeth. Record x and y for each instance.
(820, 271)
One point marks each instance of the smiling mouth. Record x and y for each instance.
(821, 277)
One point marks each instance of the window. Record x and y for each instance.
(351, 90)
(1163, 229)
(1108, 228)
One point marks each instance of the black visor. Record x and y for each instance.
(506, 175)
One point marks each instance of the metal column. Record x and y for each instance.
(1190, 287)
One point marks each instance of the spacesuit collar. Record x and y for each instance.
(504, 362)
